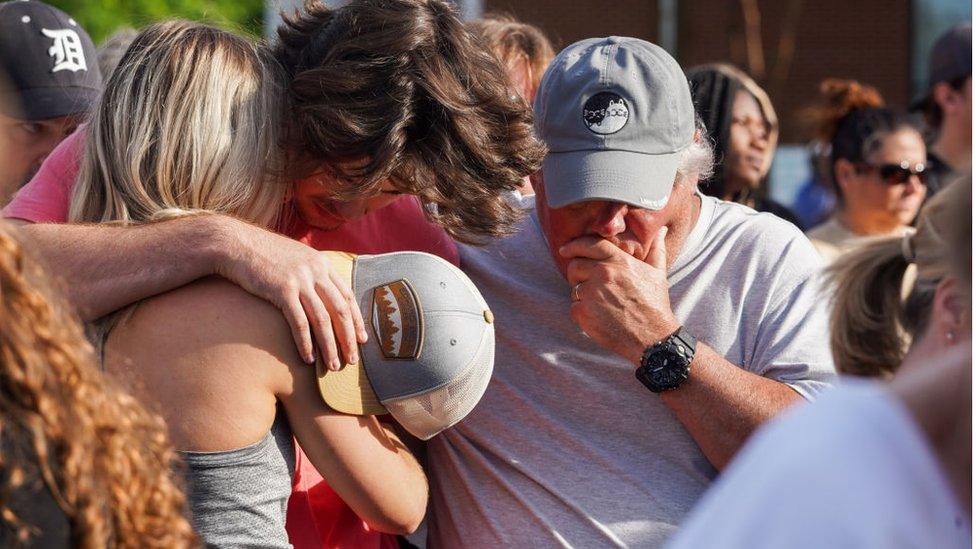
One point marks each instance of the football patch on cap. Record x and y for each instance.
(605, 113)
(397, 321)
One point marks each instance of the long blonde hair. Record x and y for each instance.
(872, 325)
(189, 121)
(67, 428)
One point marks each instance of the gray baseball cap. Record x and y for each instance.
(615, 113)
(431, 347)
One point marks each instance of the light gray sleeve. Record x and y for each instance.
(793, 340)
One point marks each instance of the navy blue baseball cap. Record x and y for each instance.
(49, 61)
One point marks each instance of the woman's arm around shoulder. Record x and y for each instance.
(370, 468)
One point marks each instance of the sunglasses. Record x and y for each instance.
(899, 174)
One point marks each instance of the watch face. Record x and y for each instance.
(668, 366)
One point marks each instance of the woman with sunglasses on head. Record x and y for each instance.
(878, 169)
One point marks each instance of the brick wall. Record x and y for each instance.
(566, 21)
(868, 40)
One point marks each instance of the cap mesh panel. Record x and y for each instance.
(430, 413)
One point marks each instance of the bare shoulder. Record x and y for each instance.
(210, 358)
(212, 316)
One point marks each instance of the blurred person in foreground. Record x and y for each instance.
(947, 105)
(744, 130)
(524, 51)
(878, 169)
(665, 326)
(53, 76)
(389, 103)
(82, 464)
(869, 464)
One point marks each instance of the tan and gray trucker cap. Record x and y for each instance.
(615, 113)
(431, 346)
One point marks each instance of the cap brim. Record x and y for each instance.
(347, 390)
(47, 103)
(642, 180)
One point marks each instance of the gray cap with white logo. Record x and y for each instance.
(615, 113)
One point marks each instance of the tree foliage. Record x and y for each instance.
(103, 17)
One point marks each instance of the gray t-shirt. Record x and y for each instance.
(238, 498)
(567, 448)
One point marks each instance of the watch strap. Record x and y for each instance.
(686, 338)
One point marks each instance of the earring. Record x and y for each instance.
(950, 337)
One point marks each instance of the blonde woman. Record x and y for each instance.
(82, 464)
(872, 324)
(188, 124)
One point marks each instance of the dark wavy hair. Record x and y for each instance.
(404, 86)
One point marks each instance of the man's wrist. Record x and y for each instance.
(661, 332)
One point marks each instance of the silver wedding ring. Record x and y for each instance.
(575, 293)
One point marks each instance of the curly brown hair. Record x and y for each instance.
(403, 86)
(106, 461)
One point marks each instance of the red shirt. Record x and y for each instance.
(317, 517)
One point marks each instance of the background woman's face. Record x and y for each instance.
(748, 148)
(869, 195)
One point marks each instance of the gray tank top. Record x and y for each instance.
(238, 498)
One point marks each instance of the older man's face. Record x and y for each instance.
(627, 227)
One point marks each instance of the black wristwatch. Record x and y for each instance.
(664, 365)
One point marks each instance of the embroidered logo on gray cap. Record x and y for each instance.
(605, 113)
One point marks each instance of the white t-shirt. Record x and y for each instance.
(849, 471)
(567, 448)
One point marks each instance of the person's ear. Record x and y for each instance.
(946, 97)
(950, 314)
(844, 172)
